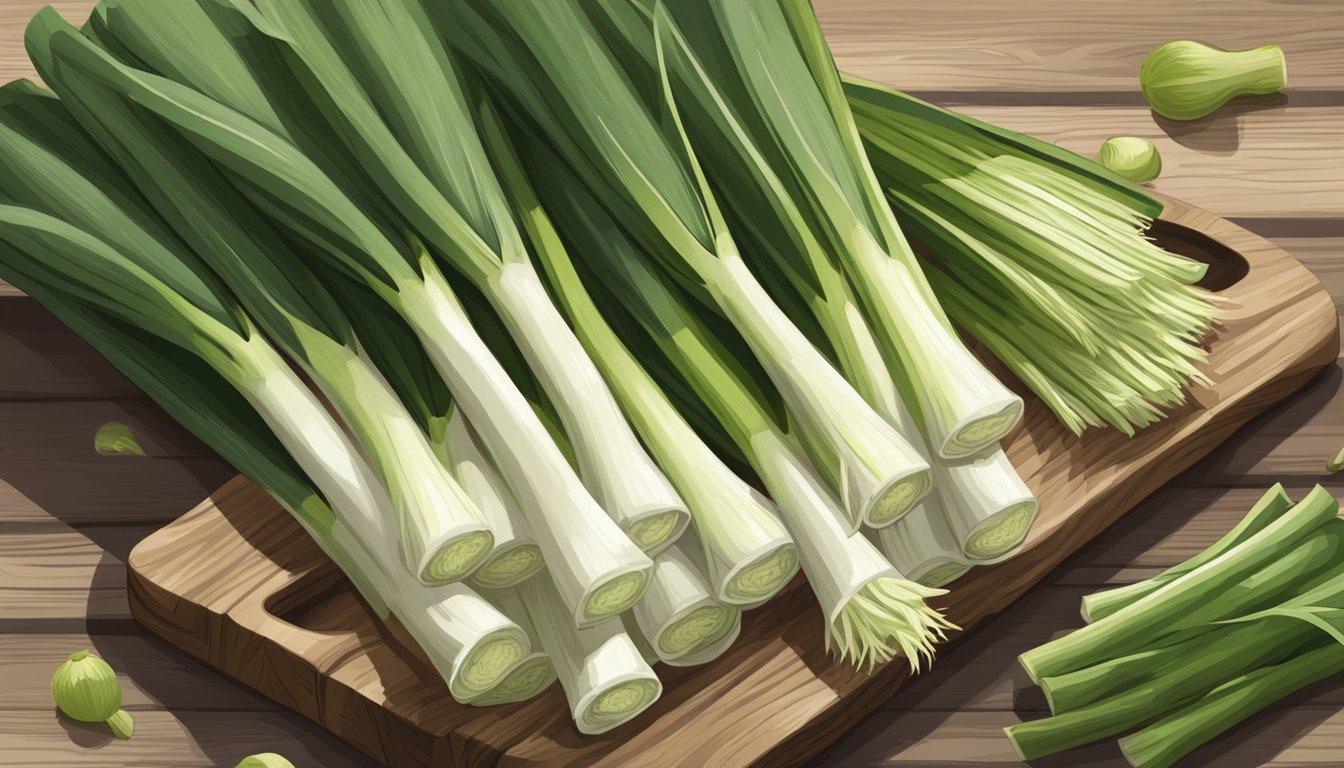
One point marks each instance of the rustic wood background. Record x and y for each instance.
(1064, 71)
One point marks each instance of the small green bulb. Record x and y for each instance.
(86, 689)
(1185, 80)
(264, 760)
(1133, 158)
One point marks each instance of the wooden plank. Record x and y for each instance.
(47, 456)
(14, 16)
(1297, 733)
(775, 697)
(153, 675)
(44, 360)
(180, 739)
(1324, 256)
(52, 572)
(987, 47)
(1278, 162)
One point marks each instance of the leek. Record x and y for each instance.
(516, 555)
(748, 554)
(605, 679)
(201, 359)
(989, 507)
(442, 535)
(548, 62)
(678, 615)
(1132, 626)
(921, 547)
(396, 94)
(1269, 508)
(599, 572)
(771, 62)
(871, 612)
(533, 673)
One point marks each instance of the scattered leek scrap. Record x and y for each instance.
(1336, 464)
(983, 499)
(678, 615)
(202, 360)
(584, 105)
(1269, 508)
(86, 689)
(1186, 80)
(443, 537)
(532, 674)
(1134, 158)
(116, 439)
(1163, 743)
(871, 612)
(402, 114)
(516, 555)
(748, 554)
(771, 62)
(606, 680)
(1040, 256)
(599, 572)
(1131, 627)
(264, 760)
(1254, 640)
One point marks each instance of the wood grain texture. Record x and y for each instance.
(54, 572)
(987, 47)
(776, 697)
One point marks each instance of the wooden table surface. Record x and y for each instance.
(1059, 69)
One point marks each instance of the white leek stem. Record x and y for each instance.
(678, 614)
(612, 462)
(920, 546)
(986, 504)
(534, 673)
(876, 472)
(469, 642)
(516, 555)
(602, 672)
(597, 570)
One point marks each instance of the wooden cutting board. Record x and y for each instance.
(236, 583)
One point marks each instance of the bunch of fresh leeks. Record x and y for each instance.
(1178, 658)
(572, 330)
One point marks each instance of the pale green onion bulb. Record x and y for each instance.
(264, 760)
(86, 689)
(116, 439)
(1133, 158)
(1185, 80)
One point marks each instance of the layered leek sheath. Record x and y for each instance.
(678, 615)
(871, 613)
(771, 60)
(530, 675)
(587, 108)
(748, 553)
(605, 678)
(178, 337)
(598, 572)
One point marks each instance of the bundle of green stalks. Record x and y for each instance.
(609, 309)
(1173, 661)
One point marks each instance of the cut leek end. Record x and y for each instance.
(613, 596)
(507, 567)
(616, 704)
(654, 531)
(486, 663)
(1012, 739)
(712, 650)
(700, 626)
(1336, 464)
(455, 558)
(886, 617)
(528, 678)
(761, 576)
(1028, 662)
(941, 573)
(898, 497)
(982, 429)
(1047, 687)
(1001, 533)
